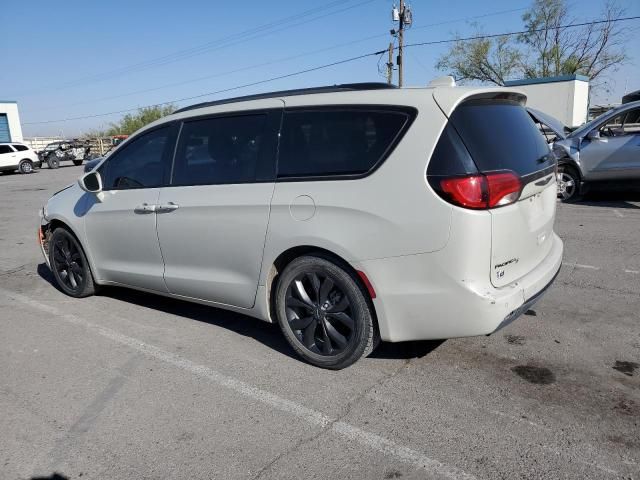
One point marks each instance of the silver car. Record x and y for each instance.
(606, 149)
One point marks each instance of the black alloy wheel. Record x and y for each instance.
(319, 313)
(69, 264)
(324, 313)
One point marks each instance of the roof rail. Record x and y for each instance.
(345, 87)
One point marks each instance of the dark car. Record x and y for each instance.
(65, 150)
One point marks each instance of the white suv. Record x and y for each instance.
(16, 156)
(347, 214)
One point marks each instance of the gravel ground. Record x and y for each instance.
(129, 385)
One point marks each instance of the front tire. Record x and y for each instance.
(25, 167)
(568, 183)
(324, 313)
(53, 161)
(69, 265)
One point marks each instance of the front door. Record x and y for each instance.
(615, 155)
(212, 220)
(121, 221)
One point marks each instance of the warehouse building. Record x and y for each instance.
(565, 98)
(10, 129)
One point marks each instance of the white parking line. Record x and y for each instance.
(636, 272)
(580, 265)
(617, 213)
(314, 417)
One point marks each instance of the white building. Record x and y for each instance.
(565, 98)
(10, 129)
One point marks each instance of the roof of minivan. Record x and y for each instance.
(447, 98)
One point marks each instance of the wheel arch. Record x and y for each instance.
(289, 255)
(57, 222)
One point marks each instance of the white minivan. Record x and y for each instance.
(347, 214)
(17, 156)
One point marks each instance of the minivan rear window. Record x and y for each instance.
(341, 142)
(500, 135)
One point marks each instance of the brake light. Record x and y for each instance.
(481, 191)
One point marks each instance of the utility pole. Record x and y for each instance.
(404, 17)
(390, 65)
(400, 44)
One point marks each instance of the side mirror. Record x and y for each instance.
(91, 182)
(594, 134)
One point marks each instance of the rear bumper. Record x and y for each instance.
(419, 298)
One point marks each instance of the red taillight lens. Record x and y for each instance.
(504, 188)
(482, 191)
(469, 192)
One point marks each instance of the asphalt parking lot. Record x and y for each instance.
(129, 385)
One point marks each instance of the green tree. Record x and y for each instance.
(546, 48)
(135, 121)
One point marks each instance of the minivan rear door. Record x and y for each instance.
(501, 136)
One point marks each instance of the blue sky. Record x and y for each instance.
(70, 58)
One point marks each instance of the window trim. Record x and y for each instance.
(410, 115)
(266, 162)
(166, 157)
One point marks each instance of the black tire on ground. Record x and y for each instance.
(77, 162)
(324, 313)
(25, 166)
(53, 161)
(69, 264)
(568, 183)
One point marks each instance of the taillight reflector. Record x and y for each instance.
(481, 191)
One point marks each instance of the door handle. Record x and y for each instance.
(167, 207)
(145, 208)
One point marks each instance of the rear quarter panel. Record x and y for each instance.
(391, 212)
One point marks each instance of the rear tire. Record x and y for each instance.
(324, 313)
(77, 162)
(568, 183)
(69, 265)
(25, 166)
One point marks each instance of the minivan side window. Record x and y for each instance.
(340, 142)
(219, 150)
(21, 148)
(139, 164)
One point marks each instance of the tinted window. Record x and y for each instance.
(345, 142)
(627, 123)
(138, 164)
(450, 156)
(219, 150)
(500, 135)
(5, 149)
(21, 148)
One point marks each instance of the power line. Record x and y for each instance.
(228, 41)
(237, 87)
(327, 65)
(521, 32)
(304, 54)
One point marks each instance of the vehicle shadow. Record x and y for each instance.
(612, 197)
(266, 333)
(53, 476)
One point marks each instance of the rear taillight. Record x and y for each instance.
(481, 191)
